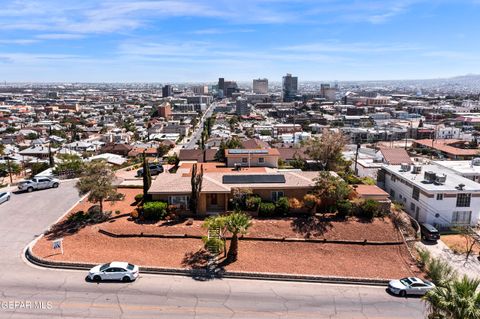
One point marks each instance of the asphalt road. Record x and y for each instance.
(197, 134)
(32, 292)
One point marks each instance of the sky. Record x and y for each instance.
(201, 40)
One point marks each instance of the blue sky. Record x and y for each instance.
(199, 40)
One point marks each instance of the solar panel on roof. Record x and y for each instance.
(240, 151)
(253, 179)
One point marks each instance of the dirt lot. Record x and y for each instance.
(88, 245)
(458, 243)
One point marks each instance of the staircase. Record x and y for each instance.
(214, 233)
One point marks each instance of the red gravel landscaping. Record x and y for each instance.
(88, 245)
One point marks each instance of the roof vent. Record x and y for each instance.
(476, 162)
(416, 169)
(430, 176)
(460, 187)
(440, 180)
(405, 167)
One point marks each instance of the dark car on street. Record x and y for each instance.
(429, 233)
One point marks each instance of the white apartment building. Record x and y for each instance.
(448, 133)
(432, 194)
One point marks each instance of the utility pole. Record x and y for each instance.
(356, 158)
(9, 167)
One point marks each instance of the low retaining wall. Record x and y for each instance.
(274, 239)
(195, 273)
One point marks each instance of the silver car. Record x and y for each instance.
(116, 270)
(410, 286)
(4, 197)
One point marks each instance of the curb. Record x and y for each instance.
(202, 273)
(270, 239)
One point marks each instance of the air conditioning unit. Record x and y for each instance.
(476, 162)
(416, 169)
(430, 176)
(440, 180)
(405, 167)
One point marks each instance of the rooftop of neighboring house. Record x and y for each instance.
(451, 183)
(197, 155)
(369, 190)
(252, 152)
(464, 168)
(447, 146)
(395, 156)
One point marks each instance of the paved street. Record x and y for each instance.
(197, 134)
(66, 294)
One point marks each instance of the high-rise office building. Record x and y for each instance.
(289, 87)
(227, 87)
(167, 90)
(242, 107)
(200, 89)
(260, 86)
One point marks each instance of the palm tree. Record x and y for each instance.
(236, 223)
(458, 299)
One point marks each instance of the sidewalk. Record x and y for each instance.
(441, 251)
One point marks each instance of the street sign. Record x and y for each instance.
(58, 244)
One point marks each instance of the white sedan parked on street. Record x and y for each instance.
(4, 197)
(410, 286)
(114, 271)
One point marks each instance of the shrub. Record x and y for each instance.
(138, 197)
(440, 272)
(253, 202)
(282, 206)
(154, 211)
(266, 209)
(344, 208)
(77, 217)
(213, 245)
(134, 214)
(117, 212)
(423, 257)
(295, 203)
(310, 201)
(369, 209)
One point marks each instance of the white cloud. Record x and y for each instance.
(59, 36)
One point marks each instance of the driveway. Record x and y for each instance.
(441, 251)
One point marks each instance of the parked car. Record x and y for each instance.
(37, 183)
(4, 197)
(116, 270)
(155, 169)
(429, 232)
(410, 286)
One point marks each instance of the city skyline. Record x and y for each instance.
(197, 41)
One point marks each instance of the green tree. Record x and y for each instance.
(196, 182)
(330, 190)
(327, 150)
(97, 181)
(458, 299)
(31, 136)
(147, 177)
(236, 223)
(70, 164)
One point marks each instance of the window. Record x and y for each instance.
(392, 193)
(394, 179)
(178, 200)
(244, 160)
(461, 218)
(276, 195)
(463, 200)
(261, 160)
(416, 193)
(439, 196)
(412, 207)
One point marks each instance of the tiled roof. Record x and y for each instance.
(395, 156)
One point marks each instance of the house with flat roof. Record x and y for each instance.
(432, 194)
(252, 157)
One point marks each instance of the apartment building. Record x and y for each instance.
(432, 194)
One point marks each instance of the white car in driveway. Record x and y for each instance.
(37, 183)
(116, 270)
(4, 197)
(410, 286)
